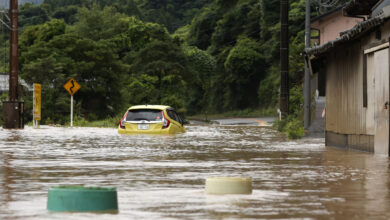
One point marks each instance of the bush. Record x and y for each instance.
(80, 122)
(280, 125)
(292, 126)
(295, 129)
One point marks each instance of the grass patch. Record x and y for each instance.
(111, 122)
(246, 113)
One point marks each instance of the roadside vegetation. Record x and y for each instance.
(203, 57)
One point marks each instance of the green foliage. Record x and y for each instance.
(30, 14)
(203, 66)
(295, 129)
(268, 92)
(296, 101)
(67, 13)
(291, 126)
(223, 56)
(245, 66)
(96, 24)
(171, 13)
(202, 28)
(140, 90)
(280, 125)
(43, 32)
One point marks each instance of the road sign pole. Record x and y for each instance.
(72, 87)
(71, 111)
(35, 123)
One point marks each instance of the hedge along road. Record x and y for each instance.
(163, 177)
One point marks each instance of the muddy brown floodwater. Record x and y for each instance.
(162, 177)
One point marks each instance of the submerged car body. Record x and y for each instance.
(151, 119)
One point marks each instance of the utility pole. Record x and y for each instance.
(284, 50)
(13, 108)
(307, 93)
(13, 77)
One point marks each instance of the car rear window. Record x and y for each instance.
(144, 114)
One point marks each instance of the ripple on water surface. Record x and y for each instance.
(161, 177)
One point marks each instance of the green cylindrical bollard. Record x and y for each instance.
(82, 199)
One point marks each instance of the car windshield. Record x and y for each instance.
(144, 114)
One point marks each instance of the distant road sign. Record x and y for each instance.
(72, 86)
(37, 102)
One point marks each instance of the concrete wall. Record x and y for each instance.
(331, 26)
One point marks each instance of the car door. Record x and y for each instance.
(176, 123)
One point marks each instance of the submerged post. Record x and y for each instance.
(71, 111)
(13, 108)
(306, 92)
(284, 46)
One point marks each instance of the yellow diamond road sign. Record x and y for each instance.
(72, 86)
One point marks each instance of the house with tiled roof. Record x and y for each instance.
(356, 71)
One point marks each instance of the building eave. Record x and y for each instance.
(359, 7)
(349, 35)
(326, 15)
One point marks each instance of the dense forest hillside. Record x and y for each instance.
(199, 56)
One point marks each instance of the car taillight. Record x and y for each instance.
(166, 122)
(122, 121)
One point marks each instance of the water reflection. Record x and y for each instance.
(161, 177)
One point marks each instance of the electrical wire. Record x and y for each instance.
(325, 5)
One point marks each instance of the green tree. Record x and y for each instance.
(203, 66)
(96, 24)
(30, 14)
(67, 13)
(245, 66)
(202, 28)
(164, 61)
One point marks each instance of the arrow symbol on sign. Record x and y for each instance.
(72, 86)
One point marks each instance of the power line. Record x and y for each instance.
(325, 5)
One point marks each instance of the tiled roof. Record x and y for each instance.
(353, 33)
(359, 7)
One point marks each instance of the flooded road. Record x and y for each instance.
(162, 177)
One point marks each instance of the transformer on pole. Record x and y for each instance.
(13, 108)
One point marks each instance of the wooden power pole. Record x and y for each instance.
(306, 91)
(13, 108)
(14, 69)
(284, 50)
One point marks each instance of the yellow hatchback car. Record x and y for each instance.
(151, 119)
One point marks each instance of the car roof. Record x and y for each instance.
(158, 107)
